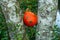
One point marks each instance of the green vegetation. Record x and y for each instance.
(56, 33)
(24, 4)
(31, 4)
(3, 27)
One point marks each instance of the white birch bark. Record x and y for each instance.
(46, 18)
(13, 17)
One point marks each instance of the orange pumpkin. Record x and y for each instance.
(29, 18)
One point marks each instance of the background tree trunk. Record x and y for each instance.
(47, 10)
(46, 19)
(13, 15)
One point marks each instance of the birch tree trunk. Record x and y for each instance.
(13, 17)
(46, 18)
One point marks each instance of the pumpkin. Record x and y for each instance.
(30, 19)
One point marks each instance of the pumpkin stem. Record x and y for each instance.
(28, 9)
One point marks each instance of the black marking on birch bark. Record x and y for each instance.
(45, 25)
(43, 16)
(47, 12)
(40, 22)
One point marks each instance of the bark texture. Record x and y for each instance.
(46, 18)
(13, 17)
